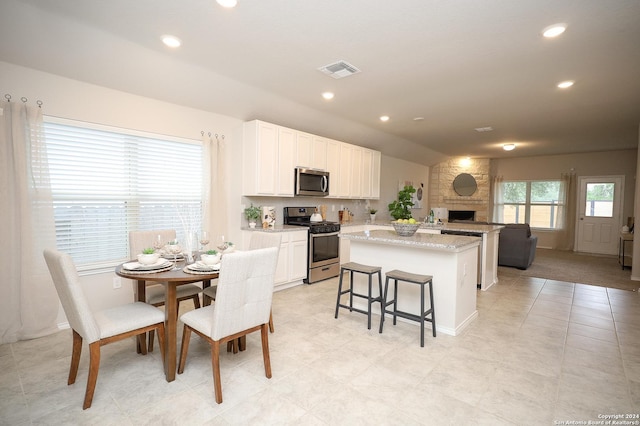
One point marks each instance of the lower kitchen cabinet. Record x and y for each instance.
(292, 258)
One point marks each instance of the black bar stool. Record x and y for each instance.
(422, 280)
(363, 269)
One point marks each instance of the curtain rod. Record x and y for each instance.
(209, 134)
(23, 99)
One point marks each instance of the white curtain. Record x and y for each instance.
(214, 187)
(567, 204)
(28, 300)
(498, 199)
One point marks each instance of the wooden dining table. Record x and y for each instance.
(170, 280)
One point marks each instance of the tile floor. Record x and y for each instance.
(541, 352)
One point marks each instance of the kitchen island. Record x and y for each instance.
(452, 260)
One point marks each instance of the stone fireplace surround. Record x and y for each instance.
(441, 192)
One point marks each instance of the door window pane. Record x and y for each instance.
(599, 200)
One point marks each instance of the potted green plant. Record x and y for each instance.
(210, 257)
(401, 208)
(372, 214)
(148, 257)
(252, 213)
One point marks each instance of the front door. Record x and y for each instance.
(599, 214)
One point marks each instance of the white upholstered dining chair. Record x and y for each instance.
(242, 306)
(154, 292)
(259, 240)
(98, 328)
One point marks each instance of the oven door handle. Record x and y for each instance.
(329, 234)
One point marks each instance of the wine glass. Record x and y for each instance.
(204, 239)
(223, 245)
(157, 243)
(174, 248)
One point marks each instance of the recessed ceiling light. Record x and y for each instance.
(509, 146)
(566, 84)
(483, 129)
(171, 41)
(328, 95)
(384, 118)
(227, 3)
(554, 30)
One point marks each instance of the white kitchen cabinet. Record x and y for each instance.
(271, 153)
(298, 248)
(356, 172)
(286, 162)
(375, 175)
(319, 153)
(344, 184)
(282, 270)
(292, 258)
(267, 160)
(333, 166)
(260, 158)
(367, 174)
(304, 150)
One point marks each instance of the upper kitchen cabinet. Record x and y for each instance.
(333, 166)
(319, 153)
(304, 149)
(344, 182)
(268, 155)
(370, 173)
(311, 151)
(271, 153)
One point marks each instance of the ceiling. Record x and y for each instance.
(459, 64)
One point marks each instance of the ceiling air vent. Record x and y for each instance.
(339, 69)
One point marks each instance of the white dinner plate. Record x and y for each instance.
(136, 266)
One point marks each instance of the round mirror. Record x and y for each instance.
(465, 184)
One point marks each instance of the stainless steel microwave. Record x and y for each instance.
(310, 182)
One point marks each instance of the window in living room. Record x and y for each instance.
(107, 181)
(534, 202)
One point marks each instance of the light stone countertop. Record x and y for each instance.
(461, 227)
(442, 242)
(278, 228)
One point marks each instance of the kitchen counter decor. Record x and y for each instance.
(405, 229)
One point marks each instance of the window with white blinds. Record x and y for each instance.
(106, 182)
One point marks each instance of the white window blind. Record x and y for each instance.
(106, 182)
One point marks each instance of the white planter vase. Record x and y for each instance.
(372, 217)
(252, 225)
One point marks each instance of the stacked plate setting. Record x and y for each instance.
(203, 267)
(161, 265)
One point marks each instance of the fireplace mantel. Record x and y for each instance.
(464, 200)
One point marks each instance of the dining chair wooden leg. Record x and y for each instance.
(161, 337)
(196, 301)
(142, 340)
(151, 335)
(94, 366)
(271, 329)
(215, 366)
(186, 336)
(242, 343)
(75, 357)
(264, 332)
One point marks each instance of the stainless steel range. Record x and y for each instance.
(324, 244)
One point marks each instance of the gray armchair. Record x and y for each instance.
(516, 247)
